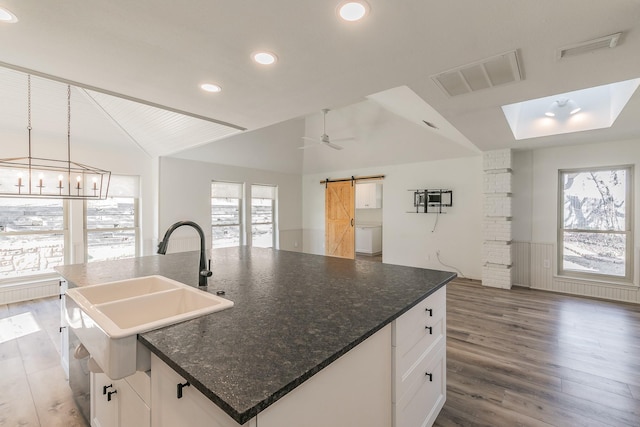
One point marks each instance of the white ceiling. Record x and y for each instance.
(158, 52)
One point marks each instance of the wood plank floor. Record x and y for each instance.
(33, 390)
(514, 358)
(530, 358)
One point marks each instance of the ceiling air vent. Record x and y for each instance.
(607, 42)
(484, 74)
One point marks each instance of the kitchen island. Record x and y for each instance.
(294, 315)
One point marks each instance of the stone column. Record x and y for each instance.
(496, 249)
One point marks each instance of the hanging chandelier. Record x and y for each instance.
(49, 178)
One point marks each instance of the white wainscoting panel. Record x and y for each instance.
(542, 269)
(521, 253)
(28, 291)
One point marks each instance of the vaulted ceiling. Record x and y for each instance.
(159, 52)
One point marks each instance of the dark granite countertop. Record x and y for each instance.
(294, 314)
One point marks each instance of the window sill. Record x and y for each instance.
(28, 280)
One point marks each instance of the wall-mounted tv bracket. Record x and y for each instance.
(432, 201)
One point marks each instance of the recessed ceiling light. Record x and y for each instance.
(210, 87)
(7, 16)
(264, 58)
(353, 10)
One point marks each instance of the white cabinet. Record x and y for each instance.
(369, 240)
(64, 330)
(120, 403)
(352, 391)
(396, 377)
(369, 195)
(419, 362)
(191, 408)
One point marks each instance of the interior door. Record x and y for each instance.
(339, 214)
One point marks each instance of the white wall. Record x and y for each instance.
(185, 194)
(407, 237)
(535, 211)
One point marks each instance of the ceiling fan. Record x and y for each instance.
(324, 138)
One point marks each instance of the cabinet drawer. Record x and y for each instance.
(406, 331)
(409, 359)
(425, 395)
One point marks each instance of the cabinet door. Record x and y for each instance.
(426, 394)
(104, 413)
(369, 195)
(365, 196)
(192, 409)
(132, 410)
(363, 240)
(64, 331)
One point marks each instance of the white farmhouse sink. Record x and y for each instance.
(107, 317)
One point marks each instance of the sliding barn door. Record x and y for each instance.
(339, 213)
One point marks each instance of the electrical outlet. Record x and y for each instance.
(546, 263)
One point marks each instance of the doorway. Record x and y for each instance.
(368, 214)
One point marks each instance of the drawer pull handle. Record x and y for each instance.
(109, 395)
(430, 329)
(180, 387)
(430, 311)
(430, 376)
(104, 388)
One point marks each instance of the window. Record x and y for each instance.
(111, 225)
(32, 236)
(226, 214)
(263, 198)
(595, 236)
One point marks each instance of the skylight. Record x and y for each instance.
(599, 106)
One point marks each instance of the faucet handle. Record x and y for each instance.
(207, 272)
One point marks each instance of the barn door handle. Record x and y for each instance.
(352, 222)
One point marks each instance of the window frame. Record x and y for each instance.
(273, 223)
(628, 232)
(241, 214)
(135, 228)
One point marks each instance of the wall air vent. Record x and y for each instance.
(607, 42)
(490, 72)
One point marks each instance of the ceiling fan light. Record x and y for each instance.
(561, 106)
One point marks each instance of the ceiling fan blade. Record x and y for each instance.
(308, 138)
(351, 138)
(334, 146)
(304, 147)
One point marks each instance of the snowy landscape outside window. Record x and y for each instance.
(595, 236)
(111, 228)
(32, 236)
(263, 198)
(226, 214)
(111, 225)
